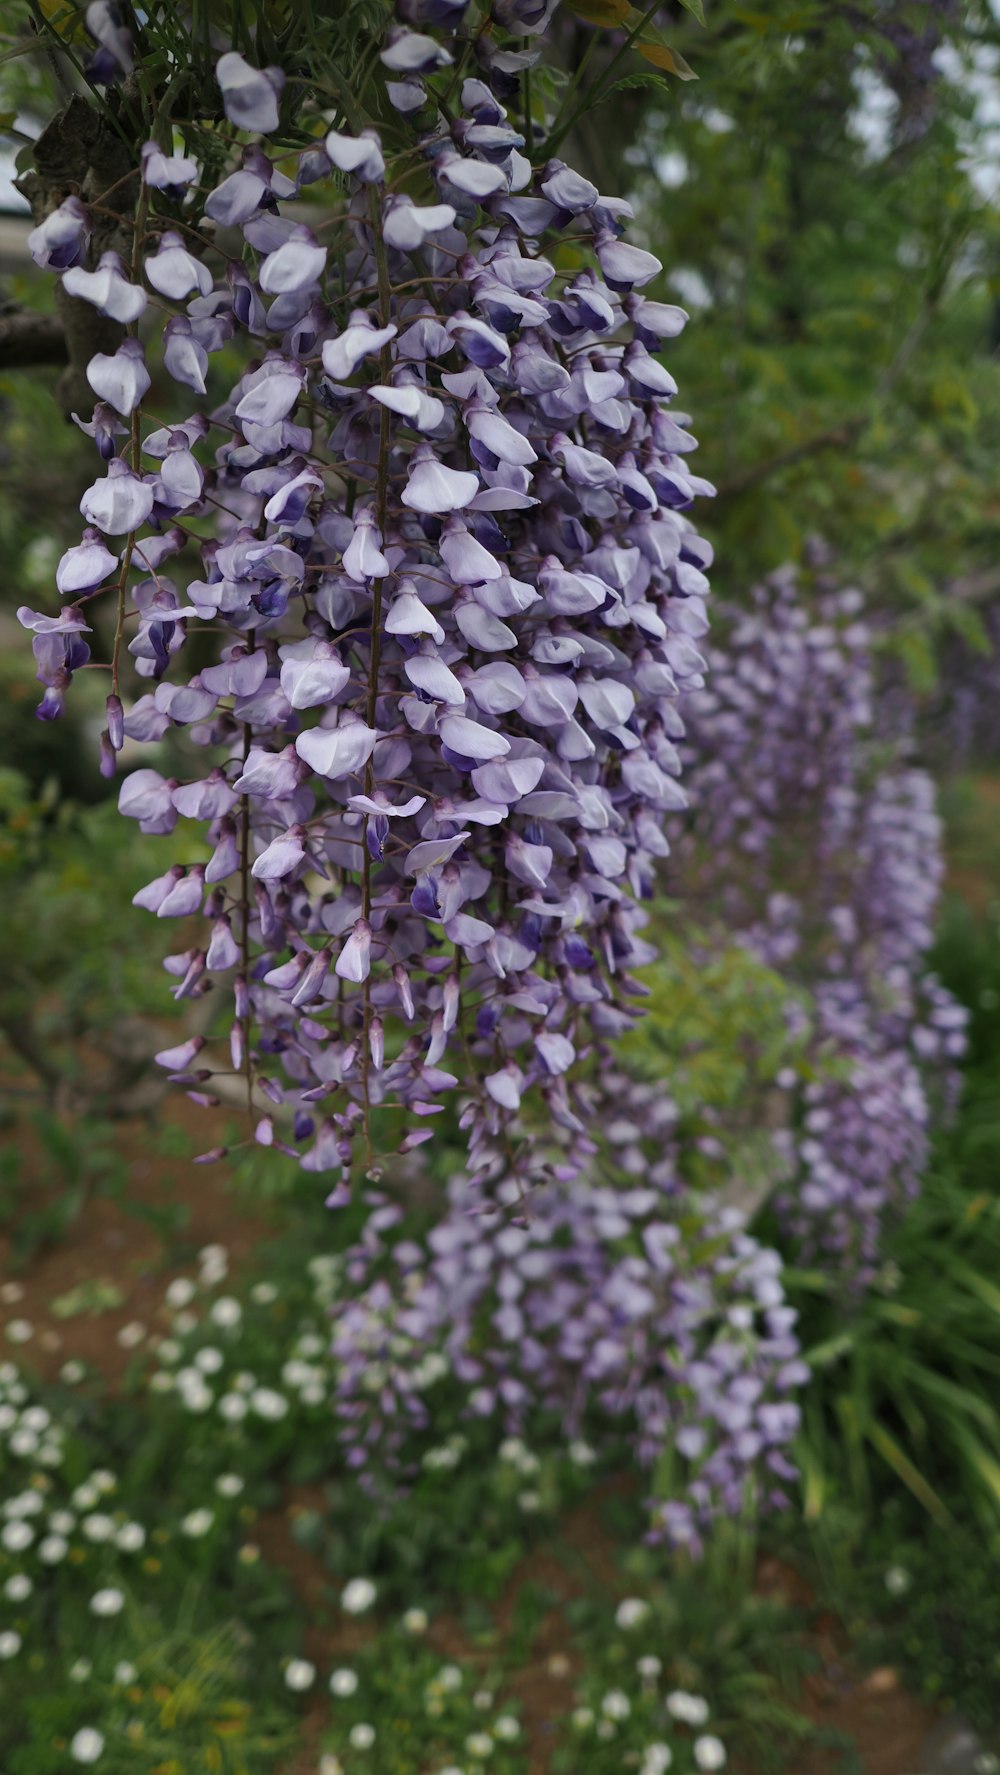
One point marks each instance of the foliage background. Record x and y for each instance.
(823, 196)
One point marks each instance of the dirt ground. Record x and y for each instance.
(110, 1244)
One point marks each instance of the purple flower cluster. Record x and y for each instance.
(598, 1309)
(457, 591)
(792, 782)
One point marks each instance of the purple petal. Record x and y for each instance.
(337, 752)
(249, 95)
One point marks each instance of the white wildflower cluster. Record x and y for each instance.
(203, 1360)
(27, 1430)
(444, 1457)
(625, 1713)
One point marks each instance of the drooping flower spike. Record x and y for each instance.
(458, 590)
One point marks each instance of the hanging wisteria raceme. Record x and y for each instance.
(419, 584)
(961, 728)
(608, 1308)
(793, 782)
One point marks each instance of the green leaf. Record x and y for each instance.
(662, 56)
(93, 1296)
(696, 8)
(980, 1285)
(912, 1478)
(608, 13)
(643, 77)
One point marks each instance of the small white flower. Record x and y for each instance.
(85, 1496)
(415, 1621)
(86, 1745)
(18, 1588)
(343, 1682)
(131, 1335)
(52, 1549)
(233, 1407)
(11, 1293)
(313, 1394)
(107, 1602)
(449, 1677)
(479, 1744)
(264, 1293)
(161, 1381)
(357, 1596)
(632, 1612)
(98, 1527)
(185, 1323)
(709, 1753)
(17, 1535)
(213, 1257)
(325, 1263)
(62, 1522)
(606, 1729)
(692, 1710)
(299, 1675)
(616, 1705)
(10, 1644)
(23, 1443)
(361, 1736)
(131, 1537)
(432, 1367)
(583, 1718)
(512, 1450)
(229, 1485)
(656, 1759)
(435, 1459)
(209, 1360)
(104, 1479)
(581, 1454)
(226, 1311)
(80, 1671)
(197, 1523)
(530, 1502)
(8, 1417)
(27, 1503)
(330, 1765)
(244, 1382)
(36, 1418)
(268, 1404)
(168, 1350)
(897, 1580)
(649, 1667)
(181, 1292)
(986, 1763)
(125, 1673)
(483, 1699)
(506, 1726)
(72, 1373)
(50, 1454)
(20, 1331)
(197, 1399)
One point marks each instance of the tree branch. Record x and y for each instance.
(27, 339)
(836, 437)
